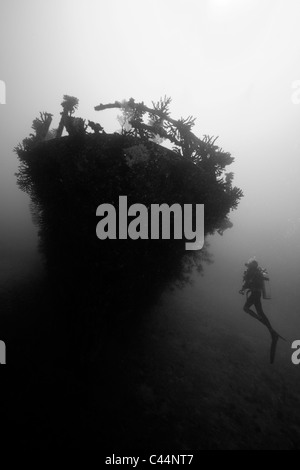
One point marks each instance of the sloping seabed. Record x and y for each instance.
(183, 379)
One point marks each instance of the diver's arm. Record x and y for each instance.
(242, 291)
(246, 281)
(245, 286)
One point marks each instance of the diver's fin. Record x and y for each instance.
(275, 338)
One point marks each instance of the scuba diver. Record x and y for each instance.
(254, 282)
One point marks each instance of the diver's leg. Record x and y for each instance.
(264, 319)
(261, 314)
(247, 309)
(254, 299)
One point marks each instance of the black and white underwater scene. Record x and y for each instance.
(150, 224)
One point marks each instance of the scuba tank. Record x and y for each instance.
(266, 291)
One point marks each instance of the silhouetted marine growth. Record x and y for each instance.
(68, 177)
